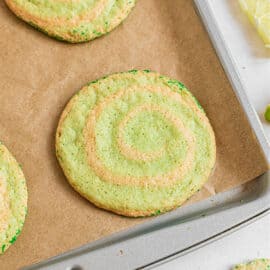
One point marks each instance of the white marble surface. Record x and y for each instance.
(253, 62)
(246, 244)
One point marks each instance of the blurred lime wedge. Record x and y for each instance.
(258, 12)
(267, 113)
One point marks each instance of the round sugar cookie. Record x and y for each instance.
(13, 199)
(72, 20)
(259, 264)
(135, 143)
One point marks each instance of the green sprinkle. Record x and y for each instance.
(158, 212)
(198, 103)
(95, 81)
(3, 248)
(177, 83)
(104, 77)
(14, 238)
(57, 37)
(133, 71)
(267, 113)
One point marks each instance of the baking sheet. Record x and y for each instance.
(38, 75)
(250, 56)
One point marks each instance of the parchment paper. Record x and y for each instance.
(38, 75)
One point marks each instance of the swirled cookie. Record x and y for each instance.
(13, 199)
(259, 264)
(135, 143)
(72, 20)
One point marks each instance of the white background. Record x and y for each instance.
(253, 62)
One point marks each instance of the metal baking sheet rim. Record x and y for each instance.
(159, 240)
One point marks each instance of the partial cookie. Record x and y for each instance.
(13, 199)
(135, 143)
(259, 264)
(73, 21)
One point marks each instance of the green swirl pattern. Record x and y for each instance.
(136, 143)
(13, 199)
(73, 20)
